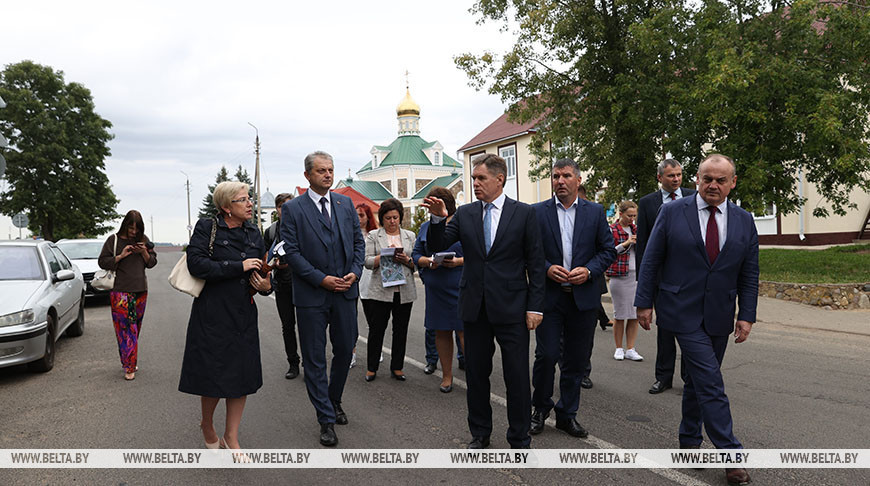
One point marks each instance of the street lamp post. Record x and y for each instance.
(187, 185)
(257, 177)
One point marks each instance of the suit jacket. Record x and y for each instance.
(691, 291)
(647, 210)
(303, 230)
(591, 247)
(510, 279)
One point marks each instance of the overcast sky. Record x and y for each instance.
(181, 80)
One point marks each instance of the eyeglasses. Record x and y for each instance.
(244, 200)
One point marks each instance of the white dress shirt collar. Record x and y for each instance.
(316, 198)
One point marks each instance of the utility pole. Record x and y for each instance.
(152, 229)
(187, 185)
(257, 177)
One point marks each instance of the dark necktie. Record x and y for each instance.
(712, 243)
(323, 203)
(673, 196)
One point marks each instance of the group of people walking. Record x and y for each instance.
(493, 271)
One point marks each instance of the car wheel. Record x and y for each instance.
(78, 327)
(46, 363)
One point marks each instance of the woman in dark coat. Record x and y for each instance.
(222, 351)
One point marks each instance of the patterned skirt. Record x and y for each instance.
(128, 308)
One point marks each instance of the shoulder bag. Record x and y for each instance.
(105, 279)
(180, 278)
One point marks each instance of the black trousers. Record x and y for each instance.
(666, 357)
(378, 316)
(513, 339)
(287, 313)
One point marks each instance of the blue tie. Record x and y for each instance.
(487, 226)
(323, 203)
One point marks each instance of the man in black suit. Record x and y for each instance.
(501, 294)
(670, 175)
(283, 278)
(578, 248)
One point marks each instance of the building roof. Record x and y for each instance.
(370, 189)
(443, 181)
(408, 150)
(500, 129)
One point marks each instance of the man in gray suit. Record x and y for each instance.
(325, 249)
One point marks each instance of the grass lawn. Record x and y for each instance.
(839, 264)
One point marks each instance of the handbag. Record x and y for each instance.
(105, 279)
(180, 278)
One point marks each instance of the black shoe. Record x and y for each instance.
(372, 377)
(479, 443)
(586, 383)
(293, 372)
(572, 427)
(659, 387)
(446, 389)
(430, 368)
(462, 364)
(397, 377)
(538, 419)
(327, 435)
(340, 416)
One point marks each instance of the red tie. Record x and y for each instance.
(712, 243)
(673, 196)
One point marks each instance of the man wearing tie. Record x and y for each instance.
(578, 248)
(670, 175)
(501, 294)
(701, 261)
(325, 249)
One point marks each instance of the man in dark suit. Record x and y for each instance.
(670, 175)
(700, 262)
(501, 294)
(325, 249)
(578, 248)
(283, 278)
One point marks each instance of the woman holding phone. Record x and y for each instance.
(386, 294)
(128, 253)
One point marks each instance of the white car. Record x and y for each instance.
(84, 253)
(42, 295)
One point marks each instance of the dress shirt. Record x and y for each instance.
(317, 197)
(495, 214)
(566, 229)
(721, 219)
(666, 196)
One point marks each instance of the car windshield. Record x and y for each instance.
(19, 263)
(81, 250)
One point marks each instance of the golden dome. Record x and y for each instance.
(408, 106)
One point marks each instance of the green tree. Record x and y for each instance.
(419, 218)
(56, 158)
(782, 88)
(208, 208)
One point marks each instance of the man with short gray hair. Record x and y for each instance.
(670, 174)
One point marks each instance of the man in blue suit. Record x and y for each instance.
(702, 260)
(578, 248)
(501, 293)
(325, 249)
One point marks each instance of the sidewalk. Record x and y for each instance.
(787, 313)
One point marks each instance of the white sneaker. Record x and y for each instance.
(381, 360)
(619, 355)
(353, 360)
(632, 355)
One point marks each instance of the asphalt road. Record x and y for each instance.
(790, 386)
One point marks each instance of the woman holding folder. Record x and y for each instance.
(391, 289)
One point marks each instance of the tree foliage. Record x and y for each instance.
(420, 216)
(56, 158)
(208, 208)
(780, 87)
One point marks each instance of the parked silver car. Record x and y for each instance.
(84, 253)
(42, 295)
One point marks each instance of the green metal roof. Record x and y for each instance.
(370, 189)
(408, 150)
(442, 181)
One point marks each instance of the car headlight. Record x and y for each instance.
(16, 318)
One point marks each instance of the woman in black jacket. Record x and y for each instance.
(222, 350)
